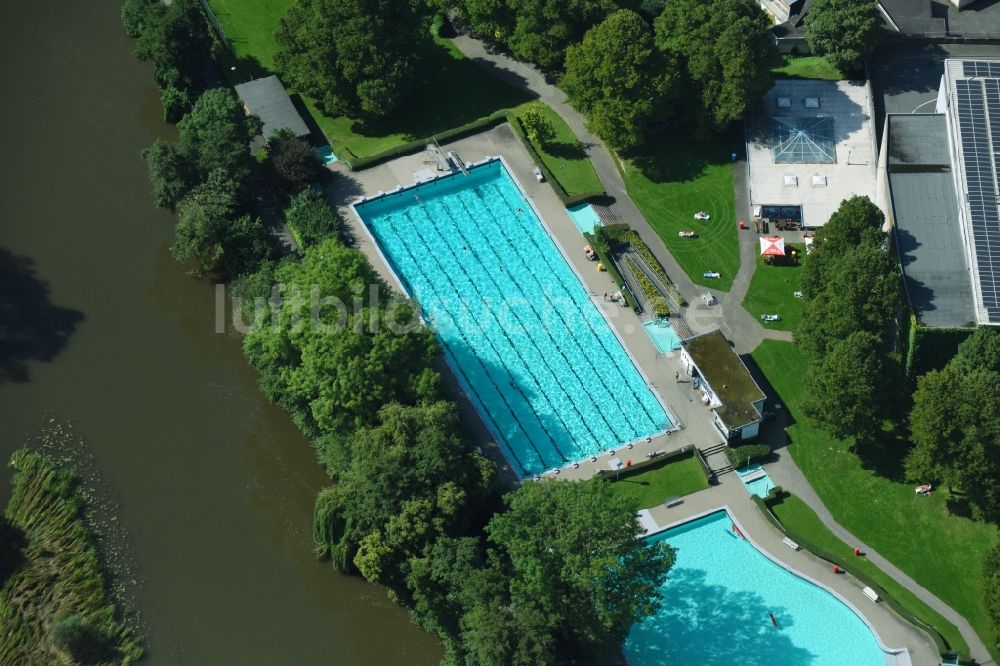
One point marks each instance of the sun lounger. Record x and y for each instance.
(791, 544)
(673, 501)
(871, 594)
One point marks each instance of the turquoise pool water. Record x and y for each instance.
(662, 335)
(759, 486)
(325, 153)
(584, 217)
(532, 350)
(717, 605)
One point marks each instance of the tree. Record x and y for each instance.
(341, 348)
(845, 32)
(175, 37)
(216, 135)
(211, 232)
(955, 424)
(311, 216)
(169, 174)
(618, 78)
(575, 572)
(537, 125)
(536, 31)
(862, 291)
(294, 164)
(854, 389)
(175, 103)
(991, 587)
(857, 220)
(134, 16)
(357, 57)
(408, 481)
(724, 48)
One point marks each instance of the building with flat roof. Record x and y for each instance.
(811, 147)
(726, 385)
(917, 191)
(267, 99)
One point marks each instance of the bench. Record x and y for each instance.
(673, 501)
(791, 544)
(871, 594)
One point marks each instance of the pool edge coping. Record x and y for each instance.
(675, 423)
(894, 652)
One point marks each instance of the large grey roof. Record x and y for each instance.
(267, 99)
(925, 210)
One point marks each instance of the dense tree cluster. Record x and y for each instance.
(723, 49)
(292, 161)
(357, 57)
(536, 31)
(176, 39)
(955, 424)
(845, 32)
(311, 217)
(855, 299)
(620, 79)
(205, 176)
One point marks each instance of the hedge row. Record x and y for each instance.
(932, 348)
(653, 295)
(560, 191)
(749, 454)
(356, 163)
(776, 495)
(650, 464)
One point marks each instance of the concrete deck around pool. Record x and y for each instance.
(658, 368)
(892, 630)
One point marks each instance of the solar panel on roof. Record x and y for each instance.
(978, 102)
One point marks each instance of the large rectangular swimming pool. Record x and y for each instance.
(532, 350)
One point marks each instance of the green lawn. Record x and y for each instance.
(565, 159)
(673, 479)
(940, 550)
(799, 518)
(772, 291)
(674, 177)
(455, 91)
(806, 67)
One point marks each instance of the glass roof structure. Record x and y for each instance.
(802, 140)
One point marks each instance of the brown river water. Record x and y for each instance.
(215, 485)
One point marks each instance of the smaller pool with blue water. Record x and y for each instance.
(718, 602)
(756, 480)
(585, 218)
(662, 335)
(325, 153)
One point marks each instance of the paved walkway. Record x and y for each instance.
(737, 324)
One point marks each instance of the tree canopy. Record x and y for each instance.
(169, 174)
(357, 57)
(619, 79)
(216, 134)
(341, 347)
(845, 32)
(856, 220)
(175, 37)
(854, 388)
(536, 31)
(401, 485)
(724, 49)
(955, 424)
(293, 163)
(311, 217)
(991, 586)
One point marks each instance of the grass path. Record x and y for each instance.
(940, 550)
(799, 518)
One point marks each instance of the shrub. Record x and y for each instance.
(176, 103)
(749, 454)
(310, 217)
(294, 164)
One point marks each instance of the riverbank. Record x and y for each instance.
(55, 602)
